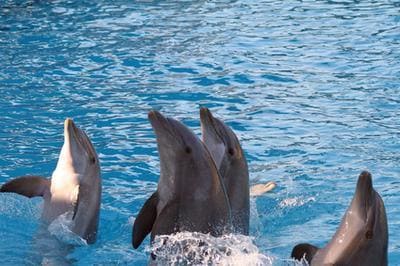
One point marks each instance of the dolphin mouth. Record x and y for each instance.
(209, 123)
(73, 133)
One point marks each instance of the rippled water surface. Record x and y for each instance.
(311, 88)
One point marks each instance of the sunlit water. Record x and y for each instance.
(312, 89)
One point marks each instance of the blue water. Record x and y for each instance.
(312, 89)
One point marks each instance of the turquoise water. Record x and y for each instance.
(312, 89)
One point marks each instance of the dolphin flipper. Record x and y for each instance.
(29, 186)
(145, 220)
(304, 250)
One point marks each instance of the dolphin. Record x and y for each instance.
(362, 237)
(75, 185)
(229, 157)
(190, 194)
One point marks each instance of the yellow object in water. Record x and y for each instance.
(259, 189)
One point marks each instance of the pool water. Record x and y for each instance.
(312, 90)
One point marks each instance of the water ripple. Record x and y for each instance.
(310, 88)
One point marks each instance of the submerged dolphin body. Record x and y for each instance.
(75, 184)
(231, 162)
(190, 195)
(362, 237)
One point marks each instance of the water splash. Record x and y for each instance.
(295, 202)
(186, 248)
(27, 208)
(61, 229)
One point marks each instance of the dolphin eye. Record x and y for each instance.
(231, 151)
(369, 234)
(92, 160)
(188, 150)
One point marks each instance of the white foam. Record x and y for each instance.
(295, 202)
(202, 249)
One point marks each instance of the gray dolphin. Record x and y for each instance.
(75, 184)
(362, 237)
(231, 162)
(190, 195)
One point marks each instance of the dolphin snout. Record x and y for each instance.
(210, 124)
(70, 130)
(364, 195)
(205, 115)
(155, 115)
(158, 121)
(364, 184)
(77, 139)
(69, 125)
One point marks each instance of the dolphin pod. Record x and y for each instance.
(75, 185)
(203, 187)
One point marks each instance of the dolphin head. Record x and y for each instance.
(362, 237)
(78, 159)
(183, 159)
(223, 145)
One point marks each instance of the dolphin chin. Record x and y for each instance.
(362, 237)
